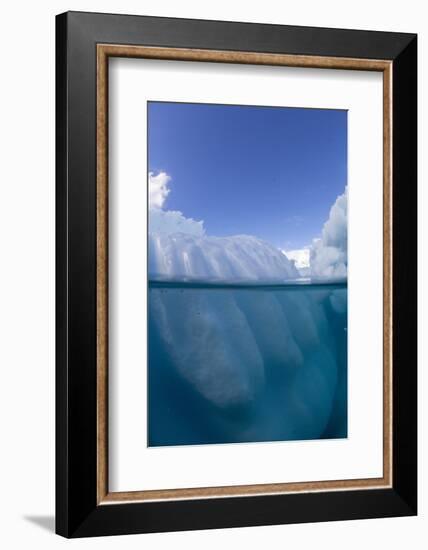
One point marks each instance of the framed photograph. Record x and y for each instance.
(236, 274)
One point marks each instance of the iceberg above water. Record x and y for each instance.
(180, 249)
(185, 256)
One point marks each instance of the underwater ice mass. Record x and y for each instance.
(241, 348)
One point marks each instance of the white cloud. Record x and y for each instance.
(167, 222)
(158, 189)
(329, 254)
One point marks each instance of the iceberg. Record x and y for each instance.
(240, 350)
(185, 256)
(179, 249)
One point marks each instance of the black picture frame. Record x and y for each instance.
(78, 513)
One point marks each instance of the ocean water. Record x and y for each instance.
(246, 363)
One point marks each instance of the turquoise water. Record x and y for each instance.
(246, 363)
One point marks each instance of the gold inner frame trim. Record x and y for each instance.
(104, 51)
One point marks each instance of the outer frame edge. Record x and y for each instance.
(259, 511)
(405, 274)
(61, 266)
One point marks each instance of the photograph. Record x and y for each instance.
(212, 288)
(247, 273)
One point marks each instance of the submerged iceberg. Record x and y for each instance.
(242, 364)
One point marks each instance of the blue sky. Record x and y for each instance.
(272, 172)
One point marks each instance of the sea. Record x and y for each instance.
(246, 363)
